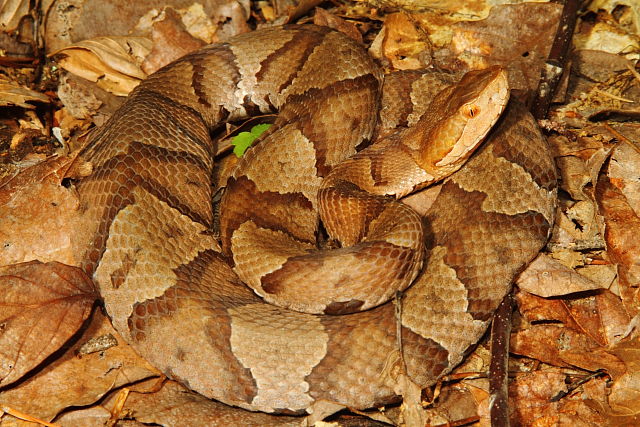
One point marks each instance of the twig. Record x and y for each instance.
(556, 62)
(498, 374)
(612, 96)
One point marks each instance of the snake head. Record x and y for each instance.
(460, 117)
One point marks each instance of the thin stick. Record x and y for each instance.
(498, 374)
(556, 63)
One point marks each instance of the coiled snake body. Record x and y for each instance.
(176, 292)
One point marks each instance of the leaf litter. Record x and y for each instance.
(574, 342)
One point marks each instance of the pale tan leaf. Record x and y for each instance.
(13, 94)
(113, 62)
(608, 37)
(574, 174)
(198, 23)
(602, 274)
(122, 54)
(11, 12)
(41, 307)
(546, 277)
(422, 200)
(89, 417)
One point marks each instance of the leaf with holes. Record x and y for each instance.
(41, 307)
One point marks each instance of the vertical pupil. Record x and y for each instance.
(472, 111)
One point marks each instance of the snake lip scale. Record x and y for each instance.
(255, 313)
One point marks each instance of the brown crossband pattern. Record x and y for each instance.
(292, 300)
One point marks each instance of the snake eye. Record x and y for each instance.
(470, 111)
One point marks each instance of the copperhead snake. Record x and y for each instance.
(173, 277)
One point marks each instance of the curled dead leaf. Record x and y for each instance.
(113, 62)
(13, 94)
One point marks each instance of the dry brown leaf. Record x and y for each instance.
(11, 12)
(38, 215)
(599, 316)
(83, 101)
(193, 19)
(577, 227)
(615, 320)
(547, 277)
(574, 176)
(624, 173)
(586, 312)
(622, 228)
(536, 309)
(564, 347)
(210, 20)
(174, 405)
(13, 94)
(596, 66)
(78, 380)
(456, 403)
(402, 42)
(113, 62)
(79, 102)
(583, 214)
(326, 19)
(606, 35)
(532, 397)
(517, 36)
(625, 391)
(41, 307)
(629, 8)
(171, 40)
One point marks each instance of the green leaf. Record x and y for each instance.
(243, 140)
(258, 130)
